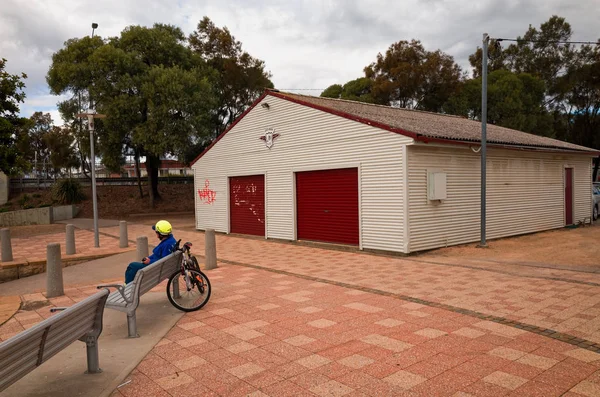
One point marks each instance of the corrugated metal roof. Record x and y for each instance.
(432, 125)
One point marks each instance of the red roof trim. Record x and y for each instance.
(230, 127)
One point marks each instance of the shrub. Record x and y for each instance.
(67, 191)
(23, 201)
(37, 195)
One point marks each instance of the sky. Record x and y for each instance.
(306, 44)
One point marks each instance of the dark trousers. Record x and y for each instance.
(132, 269)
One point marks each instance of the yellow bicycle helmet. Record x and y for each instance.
(163, 228)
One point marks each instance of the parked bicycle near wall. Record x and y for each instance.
(188, 288)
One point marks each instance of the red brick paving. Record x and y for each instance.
(269, 334)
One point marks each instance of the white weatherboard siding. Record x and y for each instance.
(309, 140)
(525, 193)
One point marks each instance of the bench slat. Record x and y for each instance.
(86, 317)
(28, 360)
(21, 347)
(11, 377)
(155, 275)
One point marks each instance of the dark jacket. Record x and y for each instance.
(164, 248)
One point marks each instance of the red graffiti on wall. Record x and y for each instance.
(207, 195)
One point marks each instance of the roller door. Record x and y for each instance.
(327, 206)
(247, 205)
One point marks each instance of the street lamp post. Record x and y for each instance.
(484, 75)
(91, 115)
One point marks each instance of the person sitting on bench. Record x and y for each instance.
(163, 231)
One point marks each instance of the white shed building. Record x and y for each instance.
(297, 167)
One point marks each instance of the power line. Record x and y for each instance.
(550, 41)
(302, 89)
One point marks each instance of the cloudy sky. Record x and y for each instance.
(306, 44)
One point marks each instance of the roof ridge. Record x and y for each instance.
(371, 104)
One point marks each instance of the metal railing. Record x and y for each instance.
(31, 183)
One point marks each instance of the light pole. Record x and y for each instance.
(91, 115)
(484, 73)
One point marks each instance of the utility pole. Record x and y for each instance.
(484, 73)
(90, 114)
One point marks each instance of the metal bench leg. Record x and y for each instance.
(93, 362)
(176, 294)
(132, 325)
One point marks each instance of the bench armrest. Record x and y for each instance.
(58, 309)
(119, 288)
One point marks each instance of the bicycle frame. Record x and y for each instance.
(186, 261)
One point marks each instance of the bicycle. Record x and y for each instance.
(188, 288)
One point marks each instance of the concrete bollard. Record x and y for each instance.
(70, 248)
(142, 247)
(123, 240)
(54, 280)
(7, 255)
(210, 249)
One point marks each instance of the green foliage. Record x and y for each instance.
(240, 78)
(514, 101)
(354, 90)
(157, 94)
(24, 201)
(12, 161)
(558, 92)
(67, 191)
(411, 77)
(333, 91)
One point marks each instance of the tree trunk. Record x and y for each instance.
(152, 165)
(138, 172)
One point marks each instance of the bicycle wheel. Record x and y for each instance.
(196, 264)
(188, 298)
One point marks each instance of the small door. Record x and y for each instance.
(568, 196)
(327, 206)
(247, 205)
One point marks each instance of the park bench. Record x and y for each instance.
(127, 298)
(27, 350)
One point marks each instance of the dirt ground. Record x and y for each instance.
(579, 247)
(35, 230)
(117, 202)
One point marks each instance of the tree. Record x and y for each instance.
(333, 91)
(62, 155)
(241, 78)
(69, 109)
(409, 76)
(581, 95)
(12, 126)
(496, 58)
(37, 150)
(355, 90)
(514, 101)
(157, 94)
(539, 53)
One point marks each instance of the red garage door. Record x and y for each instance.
(247, 205)
(327, 206)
